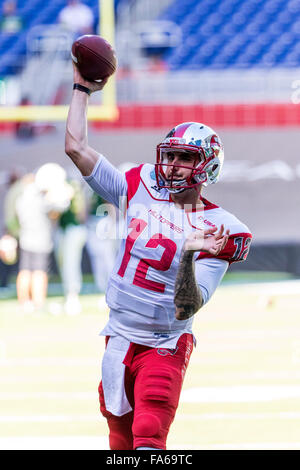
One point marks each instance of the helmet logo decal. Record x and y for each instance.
(174, 140)
(197, 142)
(215, 143)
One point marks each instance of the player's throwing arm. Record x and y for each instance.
(93, 62)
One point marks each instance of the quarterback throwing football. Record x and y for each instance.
(176, 249)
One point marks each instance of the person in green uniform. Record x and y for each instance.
(70, 241)
(102, 239)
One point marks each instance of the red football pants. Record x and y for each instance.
(153, 382)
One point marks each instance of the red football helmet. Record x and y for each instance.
(196, 139)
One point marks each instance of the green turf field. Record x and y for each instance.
(242, 388)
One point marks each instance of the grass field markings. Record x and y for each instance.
(247, 334)
(48, 395)
(51, 418)
(101, 443)
(254, 446)
(290, 286)
(239, 393)
(3, 351)
(296, 352)
(232, 416)
(219, 394)
(239, 446)
(54, 443)
(267, 292)
(199, 417)
(51, 361)
(233, 377)
(41, 381)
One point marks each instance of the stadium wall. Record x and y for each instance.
(218, 115)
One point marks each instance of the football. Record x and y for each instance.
(94, 57)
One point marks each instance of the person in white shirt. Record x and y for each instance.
(44, 196)
(175, 249)
(77, 18)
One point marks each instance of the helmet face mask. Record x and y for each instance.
(198, 141)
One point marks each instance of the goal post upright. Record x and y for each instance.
(107, 111)
(107, 31)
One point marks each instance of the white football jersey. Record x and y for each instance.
(140, 292)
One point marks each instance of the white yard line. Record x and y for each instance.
(272, 287)
(51, 419)
(254, 446)
(240, 393)
(54, 443)
(101, 443)
(3, 350)
(231, 416)
(48, 395)
(231, 394)
(229, 376)
(50, 361)
(241, 446)
(280, 415)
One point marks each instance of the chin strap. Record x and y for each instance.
(176, 191)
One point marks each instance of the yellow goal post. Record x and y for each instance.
(106, 111)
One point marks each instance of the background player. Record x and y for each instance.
(176, 249)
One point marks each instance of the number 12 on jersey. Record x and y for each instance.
(162, 264)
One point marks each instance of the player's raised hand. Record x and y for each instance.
(210, 241)
(92, 86)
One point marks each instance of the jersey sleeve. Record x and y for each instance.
(236, 249)
(209, 273)
(107, 181)
(133, 178)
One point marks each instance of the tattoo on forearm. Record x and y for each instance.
(187, 298)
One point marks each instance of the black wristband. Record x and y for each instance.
(79, 87)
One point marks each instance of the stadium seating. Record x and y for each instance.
(235, 33)
(216, 34)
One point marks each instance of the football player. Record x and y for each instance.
(176, 248)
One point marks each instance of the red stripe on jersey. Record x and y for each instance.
(155, 198)
(208, 205)
(133, 178)
(236, 249)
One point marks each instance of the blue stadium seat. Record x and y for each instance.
(216, 33)
(235, 33)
